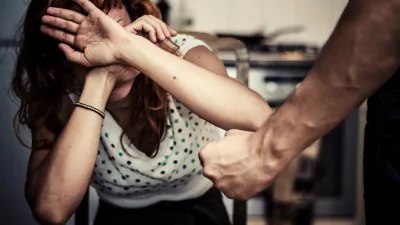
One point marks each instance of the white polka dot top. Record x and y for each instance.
(134, 180)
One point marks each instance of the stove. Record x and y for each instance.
(275, 72)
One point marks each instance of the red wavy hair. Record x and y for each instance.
(42, 76)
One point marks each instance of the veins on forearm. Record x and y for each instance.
(364, 49)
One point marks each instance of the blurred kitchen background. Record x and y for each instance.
(283, 37)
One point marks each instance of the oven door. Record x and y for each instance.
(336, 189)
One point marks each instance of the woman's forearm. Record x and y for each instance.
(217, 99)
(58, 185)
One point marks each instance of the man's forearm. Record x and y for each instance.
(360, 56)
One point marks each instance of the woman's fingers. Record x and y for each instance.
(172, 31)
(163, 26)
(134, 28)
(157, 27)
(86, 5)
(151, 31)
(157, 30)
(66, 14)
(74, 56)
(60, 23)
(58, 34)
(144, 27)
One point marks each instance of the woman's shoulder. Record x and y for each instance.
(187, 42)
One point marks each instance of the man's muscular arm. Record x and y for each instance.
(362, 53)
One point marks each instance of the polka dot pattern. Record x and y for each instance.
(125, 171)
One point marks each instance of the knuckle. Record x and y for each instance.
(66, 25)
(149, 26)
(207, 171)
(146, 25)
(137, 23)
(74, 17)
(211, 175)
(68, 57)
(154, 18)
(245, 197)
(203, 154)
(220, 186)
(240, 198)
(230, 195)
(63, 36)
(70, 16)
(157, 27)
(201, 161)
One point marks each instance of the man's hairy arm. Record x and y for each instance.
(362, 53)
(360, 56)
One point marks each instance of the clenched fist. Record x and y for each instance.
(237, 164)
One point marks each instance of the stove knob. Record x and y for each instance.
(271, 87)
(273, 92)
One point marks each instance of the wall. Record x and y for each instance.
(318, 17)
(14, 157)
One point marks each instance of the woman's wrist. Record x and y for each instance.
(132, 51)
(97, 88)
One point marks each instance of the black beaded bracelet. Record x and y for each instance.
(91, 108)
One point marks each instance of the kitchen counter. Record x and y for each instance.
(260, 59)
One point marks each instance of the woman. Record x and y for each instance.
(116, 112)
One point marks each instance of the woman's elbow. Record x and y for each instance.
(49, 215)
(47, 212)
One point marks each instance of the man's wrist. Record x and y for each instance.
(279, 141)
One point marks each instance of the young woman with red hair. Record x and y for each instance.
(111, 106)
